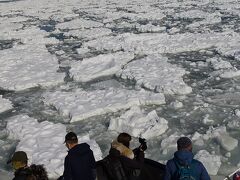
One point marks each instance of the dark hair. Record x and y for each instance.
(184, 143)
(71, 138)
(39, 172)
(124, 138)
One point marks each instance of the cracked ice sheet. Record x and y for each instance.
(27, 66)
(30, 36)
(99, 66)
(137, 123)
(5, 104)
(89, 34)
(162, 42)
(155, 73)
(81, 104)
(79, 24)
(34, 140)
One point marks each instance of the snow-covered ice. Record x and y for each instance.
(81, 104)
(33, 66)
(155, 73)
(79, 24)
(188, 51)
(136, 123)
(147, 43)
(5, 104)
(99, 66)
(43, 142)
(89, 34)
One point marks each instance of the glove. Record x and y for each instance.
(143, 146)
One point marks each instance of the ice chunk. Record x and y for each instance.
(89, 34)
(155, 73)
(43, 142)
(79, 23)
(176, 104)
(151, 43)
(81, 104)
(169, 144)
(136, 123)
(5, 104)
(227, 142)
(33, 66)
(99, 66)
(211, 162)
(224, 139)
(219, 64)
(230, 74)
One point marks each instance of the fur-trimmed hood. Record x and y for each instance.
(124, 151)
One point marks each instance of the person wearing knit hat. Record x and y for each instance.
(19, 161)
(183, 165)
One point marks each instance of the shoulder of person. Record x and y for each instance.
(197, 162)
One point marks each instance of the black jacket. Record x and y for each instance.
(132, 167)
(80, 163)
(22, 173)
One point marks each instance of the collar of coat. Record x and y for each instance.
(124, 151)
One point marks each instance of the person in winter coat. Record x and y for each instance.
(182, 158)
(79, 162)
(19, 162)
(132, 160)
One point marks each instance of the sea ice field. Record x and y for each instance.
(154, 69)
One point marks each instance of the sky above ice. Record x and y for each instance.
(157, 69)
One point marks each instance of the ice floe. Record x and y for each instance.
(169, 144)
(137, 123)
(33, 66)
(155, 73)
(221, 136)
(99, 66)
(219, 64)
(43, 142)
(80, 104)
(79, 23)
(5, 104)
(211, 162)
(89, 34)
(162, 42)
(230, 74)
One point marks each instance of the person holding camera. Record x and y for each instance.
(122, 163)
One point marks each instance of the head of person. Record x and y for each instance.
(19, 160)
(124, 138)
(71, 140)
(184, 143)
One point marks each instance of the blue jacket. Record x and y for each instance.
(80, 163)
(184, 157)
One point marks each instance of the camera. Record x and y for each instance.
(141, 140)
(143, 143)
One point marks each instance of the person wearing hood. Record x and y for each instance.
(79, 162)
(132, 160)
(183, 162)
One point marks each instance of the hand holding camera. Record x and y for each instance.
(143, 143)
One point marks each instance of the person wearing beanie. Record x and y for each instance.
(19, 162)
(183, 164)
(79, 162)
